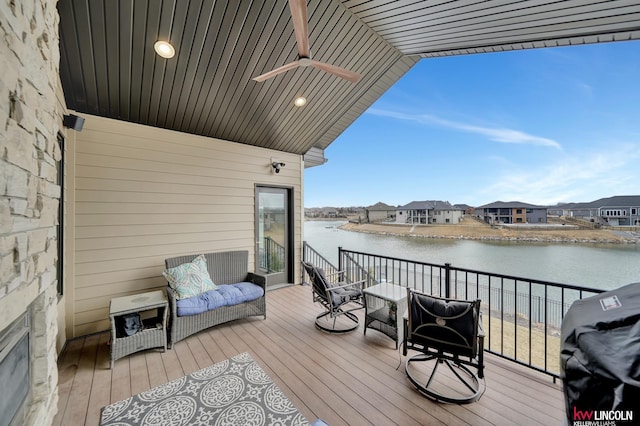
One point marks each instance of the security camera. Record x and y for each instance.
(277, 165)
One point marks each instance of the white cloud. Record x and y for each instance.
(584, 89)
(582, 177)
(496, 134)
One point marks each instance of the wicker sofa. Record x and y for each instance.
(229, 267)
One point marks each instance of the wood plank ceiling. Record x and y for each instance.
(108, 66)
(444, 27)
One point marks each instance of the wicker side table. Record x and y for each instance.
(385, 304)
(154, 329)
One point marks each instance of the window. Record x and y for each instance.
(518, 211)
(60, 225)
(615, 213)
(634, 211)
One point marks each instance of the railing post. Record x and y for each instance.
(267, 244)
(304, 259)
(447, 280)
(339, 258)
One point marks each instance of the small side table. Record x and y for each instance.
(154, 329)
(385, 305)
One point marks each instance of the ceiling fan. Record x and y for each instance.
(300, 26)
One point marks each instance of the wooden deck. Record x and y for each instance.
(347, 379)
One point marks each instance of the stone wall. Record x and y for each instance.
(30, 120)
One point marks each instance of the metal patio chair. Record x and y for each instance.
(339, 298)
(445, 332)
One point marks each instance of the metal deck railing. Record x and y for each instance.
(522, 316)
(271, 255)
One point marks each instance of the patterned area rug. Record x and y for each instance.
(233, 392)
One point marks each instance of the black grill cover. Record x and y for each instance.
(600, 352)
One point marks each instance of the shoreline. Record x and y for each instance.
(471, 229)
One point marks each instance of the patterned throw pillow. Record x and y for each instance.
(190, 279)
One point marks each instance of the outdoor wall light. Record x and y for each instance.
(73, 122)
(164, 49)
(277, 165)
(300, 101)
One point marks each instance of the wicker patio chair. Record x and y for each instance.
(449, 332)
(339, 298)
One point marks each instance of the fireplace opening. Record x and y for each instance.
(15, 380)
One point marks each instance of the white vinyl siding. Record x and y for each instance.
(143, 194)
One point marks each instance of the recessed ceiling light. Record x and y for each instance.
(300, 101)
(164, 49)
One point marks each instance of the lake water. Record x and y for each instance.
(603, 266)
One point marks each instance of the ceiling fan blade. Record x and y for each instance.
(300, 26)
(337, 71)
(301, 29)
(279, 70)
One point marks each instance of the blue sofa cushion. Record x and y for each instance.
(248, 291)
(225, 295)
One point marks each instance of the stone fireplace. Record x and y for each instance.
(28, 368)
(30, 120)
(15, 371)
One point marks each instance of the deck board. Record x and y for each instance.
(101, 385)
(82, 383)
(139, 373)
(155, 368)
(351, 379)
(121, 380)
(172, 365)
(67, 369)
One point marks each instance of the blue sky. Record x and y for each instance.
(540, 126)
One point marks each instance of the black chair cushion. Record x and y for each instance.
(340, 296)
(318, 280)
(449, 326)
(323, 276)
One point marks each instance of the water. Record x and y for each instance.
(601, 266)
